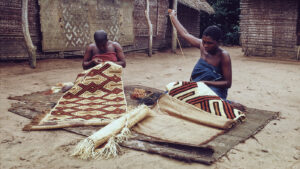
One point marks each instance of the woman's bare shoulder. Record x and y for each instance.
(225, 56)
(224, 53)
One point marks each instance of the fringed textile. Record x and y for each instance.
(114, 133)
(96, 98)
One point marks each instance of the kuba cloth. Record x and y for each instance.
(96, 98)
(201, 96)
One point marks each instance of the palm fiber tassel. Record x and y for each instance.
(86, 148)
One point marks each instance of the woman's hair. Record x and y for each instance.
(214, 32)
(100, 36)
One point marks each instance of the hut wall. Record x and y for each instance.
(190, 19)
(12, 44)
(158, 9)
(268, 28)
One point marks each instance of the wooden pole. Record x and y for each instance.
(147, 11)
(298, 53)
(31, 49)
(174, 32)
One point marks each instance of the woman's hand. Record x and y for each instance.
(97, 61)
(172, 12)
(194, 41)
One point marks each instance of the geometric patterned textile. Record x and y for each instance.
(96, 98)
(70, 25)
(201, 96)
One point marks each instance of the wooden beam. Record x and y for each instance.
(31, 49)
(174, 32)
(150, 33)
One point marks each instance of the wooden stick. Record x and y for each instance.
(174, 32)
(169, 11)
(298, 52)
(150, 29)
(30, 47)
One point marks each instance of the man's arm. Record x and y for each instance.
(87, 59)
(183, 32)
(120, 55)
(227, 73)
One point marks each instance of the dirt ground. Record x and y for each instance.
(258, 83)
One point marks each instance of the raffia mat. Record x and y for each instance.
(96, 98)
(30, 105)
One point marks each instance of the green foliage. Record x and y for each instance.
(226, 17)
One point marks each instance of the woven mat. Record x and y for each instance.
(97, 98)
(30, 105)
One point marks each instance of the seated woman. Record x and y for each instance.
(214, 66)
(103, 50)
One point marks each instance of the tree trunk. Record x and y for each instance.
(31, 49)
(174, 32)
(150, 29)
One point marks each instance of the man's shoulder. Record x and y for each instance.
(113, 43)
(116, 45)
(92, 45)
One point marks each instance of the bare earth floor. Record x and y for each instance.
(258, 83)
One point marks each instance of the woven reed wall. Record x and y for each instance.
(12, 45)
(190, 19)
(269, 28)
(158, 17)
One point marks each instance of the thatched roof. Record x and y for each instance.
(199, 5)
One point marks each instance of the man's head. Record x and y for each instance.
(211, 37)
(100, 38)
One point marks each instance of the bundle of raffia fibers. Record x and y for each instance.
(114, 133)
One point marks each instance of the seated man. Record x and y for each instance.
(214, 66)
(103, 50)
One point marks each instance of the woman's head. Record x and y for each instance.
(213, 32)
(211, 37)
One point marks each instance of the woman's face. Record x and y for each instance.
(209, 44)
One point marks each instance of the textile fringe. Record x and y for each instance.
(86, 149)
(124, 135)
(110, 150)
